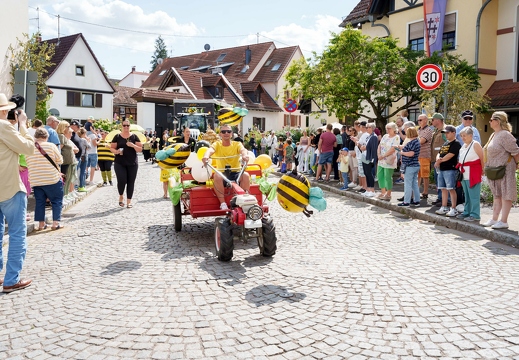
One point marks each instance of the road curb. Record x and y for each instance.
(500, 236)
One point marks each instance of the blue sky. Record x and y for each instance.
(186, 26)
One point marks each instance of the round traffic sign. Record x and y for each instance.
(429, 77)
(290, 105)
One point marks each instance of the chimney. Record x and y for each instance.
(133, 68)
(248, 55)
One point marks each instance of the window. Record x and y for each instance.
(79, 99)
(413, 115)
(87, 100)
(184, 67)
(259, 123)
(257, 96)
(268, 62)
(220, 58)
(416, 34)
(80, 70)
(218, 92)
(162, 72)
(276, 67)
(244, 70)
(292, 120)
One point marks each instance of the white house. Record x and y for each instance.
(77, 81)
(14, 24)
(134, 79)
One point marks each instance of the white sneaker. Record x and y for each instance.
(352, 185)
(460, 208)
(369, 194)
(452, 212)
(442, 211)
(500, 225)
(223, 206)
(357, 188)
(490, 222)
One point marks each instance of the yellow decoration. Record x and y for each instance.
(177, 159)
(201, 152)
(293, 192)
(264, 161)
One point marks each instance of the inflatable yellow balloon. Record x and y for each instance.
(201, 152)
(264, 161)
(293, 192)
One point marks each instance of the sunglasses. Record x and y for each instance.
(492, 119)
(467, 118)
(126, 125)
(225, 131)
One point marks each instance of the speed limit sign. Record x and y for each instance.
(429, 77)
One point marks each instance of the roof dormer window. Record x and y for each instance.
(80, 70)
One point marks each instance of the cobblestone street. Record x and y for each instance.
(353, 282)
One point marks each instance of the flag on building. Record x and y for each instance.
(434, 19)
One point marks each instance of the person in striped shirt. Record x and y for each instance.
(45, 179)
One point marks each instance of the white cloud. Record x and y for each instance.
(111, 13)
(312, 37)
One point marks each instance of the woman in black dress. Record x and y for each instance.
(125, 146)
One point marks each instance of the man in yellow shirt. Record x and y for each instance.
(224, 148)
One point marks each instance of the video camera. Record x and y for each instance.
(19, 100)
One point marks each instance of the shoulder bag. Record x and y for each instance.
(38, 146)
(459, 174)
(495, 172)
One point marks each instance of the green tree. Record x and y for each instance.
(161, 52)
(358, 76)
(32, 54)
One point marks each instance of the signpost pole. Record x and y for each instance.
(445, 94)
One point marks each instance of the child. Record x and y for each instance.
(165, 174)
(354, 164)
(280, 151)
(343, 161)
(289, 154)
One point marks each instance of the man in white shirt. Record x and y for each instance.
(272, 141)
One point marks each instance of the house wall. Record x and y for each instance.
(93, 81)
(146, 115)
(133, 80)
(14, 24)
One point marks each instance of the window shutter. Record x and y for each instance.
(450, 23)
(77, 98)
(70, 98)
(416, 30)
(99, 100)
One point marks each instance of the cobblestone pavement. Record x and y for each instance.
(353, 282)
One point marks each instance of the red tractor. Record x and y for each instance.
(247, 215)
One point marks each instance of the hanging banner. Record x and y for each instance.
(434, 19)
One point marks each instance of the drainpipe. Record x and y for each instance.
(478, 22)
(371, 19)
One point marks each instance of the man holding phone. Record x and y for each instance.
(13, 197)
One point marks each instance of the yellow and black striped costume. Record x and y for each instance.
(293, 192)
(177, 159)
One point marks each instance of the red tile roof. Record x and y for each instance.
(123, 95)
(235, 55)
(358, 14)
(504, 93)
(63, 47)
(279, 56)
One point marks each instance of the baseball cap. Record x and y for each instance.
(75, 122)
(437, 116)
(449, 128)
(345, 149)
(467, 113)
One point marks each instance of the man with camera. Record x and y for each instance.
(13, 197)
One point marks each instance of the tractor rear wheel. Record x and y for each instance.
(223, 239)
(268, 230)
(177, 216)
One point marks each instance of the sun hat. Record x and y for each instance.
(4, 104)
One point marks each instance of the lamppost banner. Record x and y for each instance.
(434, 19)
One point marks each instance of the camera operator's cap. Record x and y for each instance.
(75, 123)
(4, 104)
(449, 128)
(437, 116)
(467, 113)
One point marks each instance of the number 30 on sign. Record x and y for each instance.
(429, 77)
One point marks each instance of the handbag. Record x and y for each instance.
(38, 146)
(283, 168)
(459, 174)
(496, 172)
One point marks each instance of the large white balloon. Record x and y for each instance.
(252, 157)
(191, 160)
(199, 172)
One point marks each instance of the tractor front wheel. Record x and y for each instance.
(268, 230)
(223, 239)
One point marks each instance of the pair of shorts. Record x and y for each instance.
(447, 179)
(326, 158)
(91, 160)
(425, 168)
(165, 174)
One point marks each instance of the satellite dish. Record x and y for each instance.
(207, 47)
(160, 61)
(54, 112)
